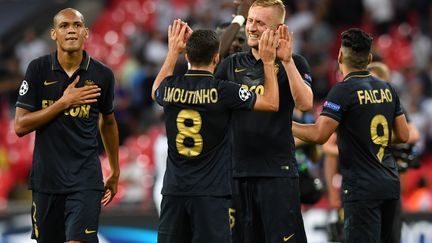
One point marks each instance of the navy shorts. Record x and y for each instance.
(65, 217)
(267, 210)
(370, 221)
(194, 219)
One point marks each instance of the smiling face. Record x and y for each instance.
(69, 31)
(238, 42)
(259, 19)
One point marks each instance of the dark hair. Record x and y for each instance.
(357, 40)
(67, 10)
(357, 44)
(201, 47)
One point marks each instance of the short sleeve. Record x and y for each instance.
(29, 89)
(303, 68)
(334, 104)
(398, 106)
(236, 97)
(159, 92)
(107, 103)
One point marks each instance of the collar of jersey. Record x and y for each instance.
(252, 59)
(251, 56)
(85, 63)
(198, 73)
(357, 74)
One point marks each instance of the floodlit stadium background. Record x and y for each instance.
(130, 36)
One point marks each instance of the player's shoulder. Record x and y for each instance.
(379, 81)
(221, 83)
(238, 56)
(300, 61)
(174, 81)
(40, 62)
(298, 57)
(343, 88)
(100, 67)
(174, 78)
(301, 64)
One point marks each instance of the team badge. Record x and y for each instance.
(89, 82)
(24, 88)
(244, 94)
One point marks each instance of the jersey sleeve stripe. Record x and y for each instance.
(25, 106)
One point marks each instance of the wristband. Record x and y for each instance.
(239, 19)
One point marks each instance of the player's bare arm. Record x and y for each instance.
(414, 134)
(319, 132)
(231, 31)
(400, 130)
(27, 121)
(330, 147)
(301, 92)
(178, 33)
(267, 51)
(109, 133)
(331, 151)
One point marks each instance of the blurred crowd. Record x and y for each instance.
(130, 36)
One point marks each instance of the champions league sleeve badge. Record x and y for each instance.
(24, 88)
(244, 94)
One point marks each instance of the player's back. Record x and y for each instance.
(197, 114)
(369, 109)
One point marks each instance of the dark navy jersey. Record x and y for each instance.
(262, 142)
(198, 110)
(365, 108)
(65, 157)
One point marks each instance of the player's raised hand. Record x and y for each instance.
(284, 49)
(178, 33)
(243, 7)
(267, 46)
(73, 96)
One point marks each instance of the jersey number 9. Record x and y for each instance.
(382, 140)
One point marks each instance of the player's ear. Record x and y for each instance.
(340, 56)
(53, 34)
(216, 58)
(187, 57)
(370, 58)
(86, 35)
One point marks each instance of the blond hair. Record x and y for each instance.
(379, 70)
(278, 4)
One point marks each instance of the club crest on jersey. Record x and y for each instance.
(89, 82)
(244, 94)
(331, 106)
(24, 88)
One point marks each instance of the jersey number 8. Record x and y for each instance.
(382, 140)
(189, 141)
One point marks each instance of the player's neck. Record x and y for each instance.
(255, 53)
(70, 61)
(203, 68)
(347, 70)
